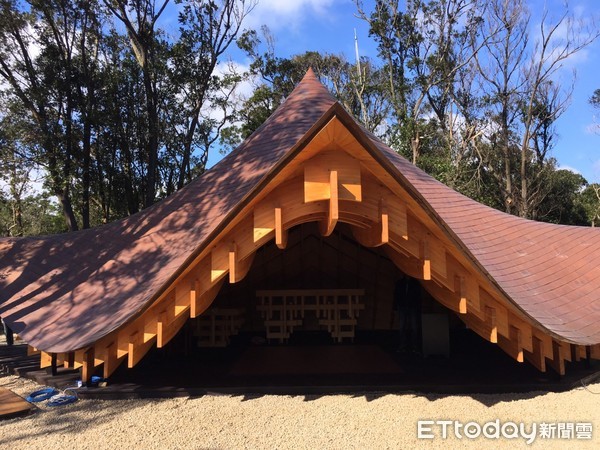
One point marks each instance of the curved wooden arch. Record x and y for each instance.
(330, 185)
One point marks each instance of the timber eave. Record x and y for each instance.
(367, 142)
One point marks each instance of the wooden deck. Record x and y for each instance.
(12, 405)
(305, 368)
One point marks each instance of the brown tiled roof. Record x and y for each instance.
(61, 293)
(550, 272)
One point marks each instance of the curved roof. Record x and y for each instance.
(64, 292)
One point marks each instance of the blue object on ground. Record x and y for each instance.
(41, 395)
(62, 399)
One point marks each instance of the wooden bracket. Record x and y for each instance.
(238, 269)
(461, 289)
(378, 234)
(111, 362)
(69, 361)
(45, 360)
(333, 213)
(281, 235)
(87, 369)
(510, 348)
(490, 319)
(168, 330)
(383, 227)
(558, 359)
(425, 259)
(536, 358)
(137, 348)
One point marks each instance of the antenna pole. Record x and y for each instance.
(357, 55)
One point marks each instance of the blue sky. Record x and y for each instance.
(328, 25)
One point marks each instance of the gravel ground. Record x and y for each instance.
(365, 421)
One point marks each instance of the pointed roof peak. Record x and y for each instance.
(309, 91)
(310, 74)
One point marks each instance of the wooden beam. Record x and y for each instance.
(547, 340)
(45, 360)
(574, 353)
(595, 351)
(111, 362)
(490, 320)
(384, 223)
(69, 361)
(233, 263)
(398, 220)
(425, 259)
(473, 296)
(461, 289)
(262, 221)
(483, 329)
(87, 369)
(567, 351)
(79, 355)
(443, 295)
(238, 269)
(182, 295)
(525, 332)
(32, 351)
(333, 213)
(406, 264)
(558, 359)
(168, 330)
(536, 357)
(219, 257)
(281, 235)
(437, 254)
(317, 172)
(500, 312)
(379, 232)
(513, 345)
(151, 324)
(204, 299)
(137, 348)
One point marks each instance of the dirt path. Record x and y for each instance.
(371, 421)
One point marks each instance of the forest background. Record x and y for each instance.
(107, 106)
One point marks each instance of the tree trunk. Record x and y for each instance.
(67, 208)
(152, 144)
(187, 150)
(85, 176)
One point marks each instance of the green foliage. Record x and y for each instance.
(563, 201)
(589, 200)
(113, 117)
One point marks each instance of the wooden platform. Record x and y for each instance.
(12, 405)
(303, 367)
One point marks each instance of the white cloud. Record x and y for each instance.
(571, 31)
(569, 168)
(287, 14)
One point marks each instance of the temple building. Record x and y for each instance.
(311, 224)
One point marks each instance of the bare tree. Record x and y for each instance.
(558, 40)
(423, 48)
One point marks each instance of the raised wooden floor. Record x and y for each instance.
(308, 368)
